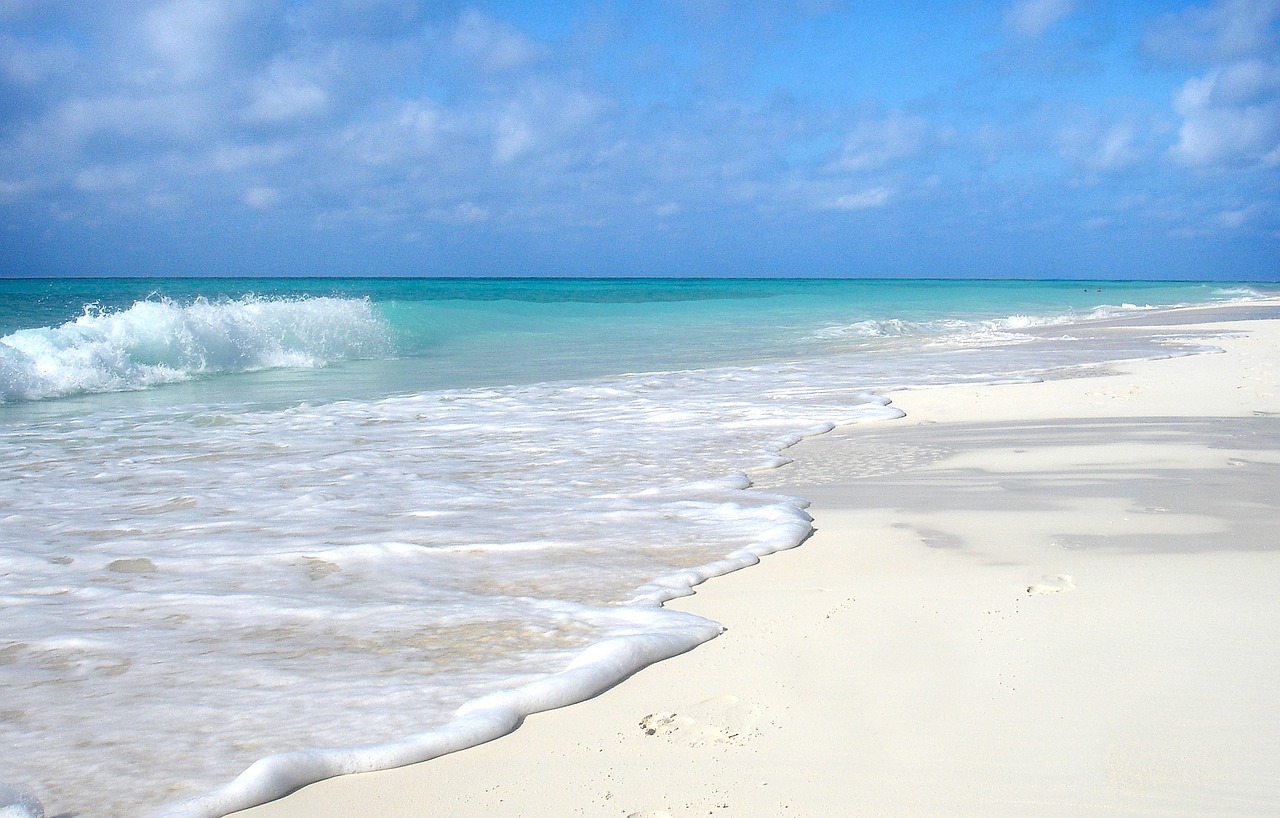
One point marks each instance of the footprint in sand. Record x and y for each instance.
(1051, 584)
(663, 724)
(723, 720)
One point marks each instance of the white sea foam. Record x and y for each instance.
(870, 328)
(1241, 293)
(19, 802)
(161, 341)
(945, 330)
(385, 561)
(970, 331)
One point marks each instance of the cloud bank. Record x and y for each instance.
(405, 137)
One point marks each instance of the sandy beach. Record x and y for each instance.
(1053, 598)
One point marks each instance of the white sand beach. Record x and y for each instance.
(1048, 599)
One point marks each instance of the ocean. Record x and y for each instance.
(254, 532)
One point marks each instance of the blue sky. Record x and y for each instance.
(1035, 138)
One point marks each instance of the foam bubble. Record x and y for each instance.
(19, 802)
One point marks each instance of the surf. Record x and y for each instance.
(161, 341)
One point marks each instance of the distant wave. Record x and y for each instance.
(898, 328)
(1241, 293)
(949, 330)
(161, 341)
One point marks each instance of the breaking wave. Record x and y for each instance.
(951, 330)
(161, 341)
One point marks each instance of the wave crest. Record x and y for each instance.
(161, 341)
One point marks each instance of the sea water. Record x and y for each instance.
(257, 532)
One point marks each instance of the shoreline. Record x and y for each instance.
(1049, 596)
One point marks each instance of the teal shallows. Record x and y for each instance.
(444, 333)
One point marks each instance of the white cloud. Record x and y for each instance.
(513, 135)
(170, 116)
(190, 37)
(542, 116)
(27, 63)
(16, 8)
(876, 143)
(1224, 30)
(446, 120)
(262, 198)
(871, 197)
(103, 179)
(470, 213)
(492, 45)
(1231, 116)
(410, 131)
(1030, 19)
(284, 99)
(1102, 147)
(1241, 217)
(230, 158)
(1116, 148)
(12, 188)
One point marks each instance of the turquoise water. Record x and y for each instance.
(251, 518)
(101, 335)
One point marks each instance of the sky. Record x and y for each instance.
(1025, 139)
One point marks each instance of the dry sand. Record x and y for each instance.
(1059, 598)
